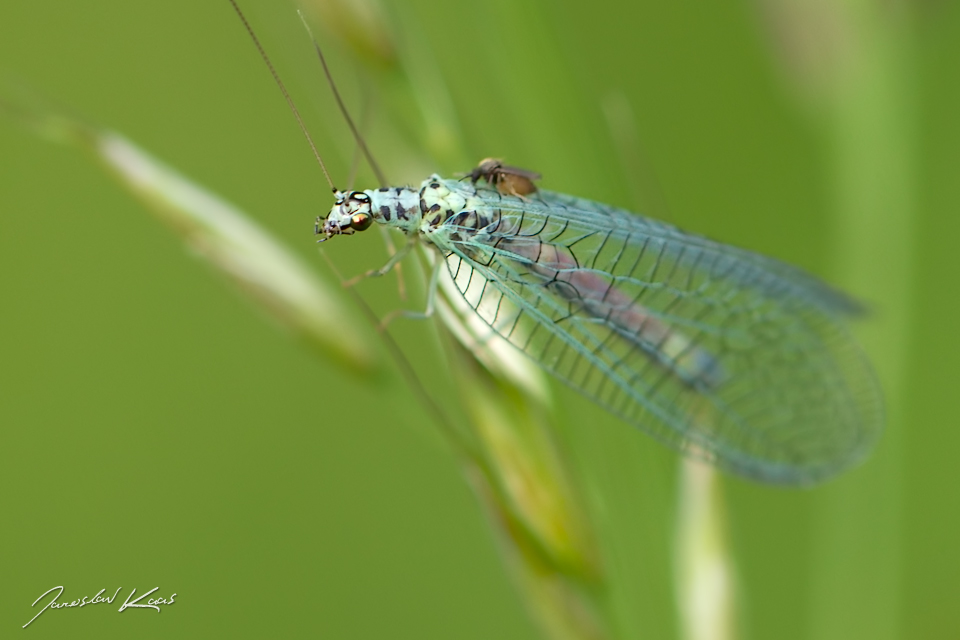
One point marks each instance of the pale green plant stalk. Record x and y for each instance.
(851, 62)
(704, 568)
(875, 153)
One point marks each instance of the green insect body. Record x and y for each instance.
(719, 352)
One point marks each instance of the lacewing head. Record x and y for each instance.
(352, 212)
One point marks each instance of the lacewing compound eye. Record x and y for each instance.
(361, 221)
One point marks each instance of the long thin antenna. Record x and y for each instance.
(343, 109)
(286, 94)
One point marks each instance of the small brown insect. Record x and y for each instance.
(512, 181)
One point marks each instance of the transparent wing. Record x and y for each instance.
(721, 353)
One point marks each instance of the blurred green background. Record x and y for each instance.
(157, 431)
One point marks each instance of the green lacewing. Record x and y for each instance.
(721, 353)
